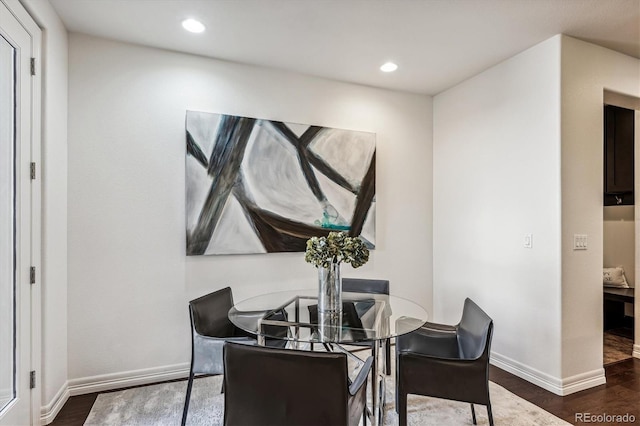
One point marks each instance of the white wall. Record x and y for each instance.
(54, 206)
(503, 167)
(587, 70)
(497, 178)
(129, 278)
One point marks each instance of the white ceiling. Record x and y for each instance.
(436, 43)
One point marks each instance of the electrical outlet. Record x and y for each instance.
(528, 240)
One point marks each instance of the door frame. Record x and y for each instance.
(636, 189)
(35, 33)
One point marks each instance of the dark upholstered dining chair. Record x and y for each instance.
(210, 329)
(373, 286)
(449, 362)
(271, 386)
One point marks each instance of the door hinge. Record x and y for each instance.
(32, 275)
(33, 171)
(32, 380)
(33, 66)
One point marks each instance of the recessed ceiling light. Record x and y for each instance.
(388, 67)
(193, 25)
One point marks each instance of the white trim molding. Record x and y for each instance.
(126, 379)
(107, 382)
(583, 381)
(545, 381)
(636, 351)
(49, 412)
(555, 385)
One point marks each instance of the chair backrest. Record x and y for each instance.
(350, 319)
(209, 314)
(362, 285)
(268, 386)
(474, 331)
(276, 330)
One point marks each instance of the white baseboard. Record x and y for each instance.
(125, 379)
(583, 381)
(105, 382)
(555, 385)
(636, 351)
(51, 410)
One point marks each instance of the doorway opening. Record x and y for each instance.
(621, 263)
(619, 281)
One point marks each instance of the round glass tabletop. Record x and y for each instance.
(293, 315)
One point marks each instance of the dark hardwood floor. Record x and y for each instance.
(619, 396)
(76, 410)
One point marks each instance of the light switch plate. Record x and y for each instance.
(580, 241)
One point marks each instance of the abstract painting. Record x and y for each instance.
(264, 186)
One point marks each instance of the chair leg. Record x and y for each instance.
(490, 414)
(397, 379)
(401, 395)
(364, 415)
(387, 356)
(402, 408)
(186, 400)
(473, 415)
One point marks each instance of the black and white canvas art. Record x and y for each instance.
(263, 186)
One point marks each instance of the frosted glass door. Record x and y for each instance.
(7, 223)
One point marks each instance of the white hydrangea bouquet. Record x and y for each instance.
(337, 247)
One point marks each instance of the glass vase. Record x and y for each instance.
(329, 302)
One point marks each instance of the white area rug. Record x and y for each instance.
(162, 405)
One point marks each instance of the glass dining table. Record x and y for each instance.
(366, 319)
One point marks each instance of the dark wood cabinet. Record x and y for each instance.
(618, 156)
